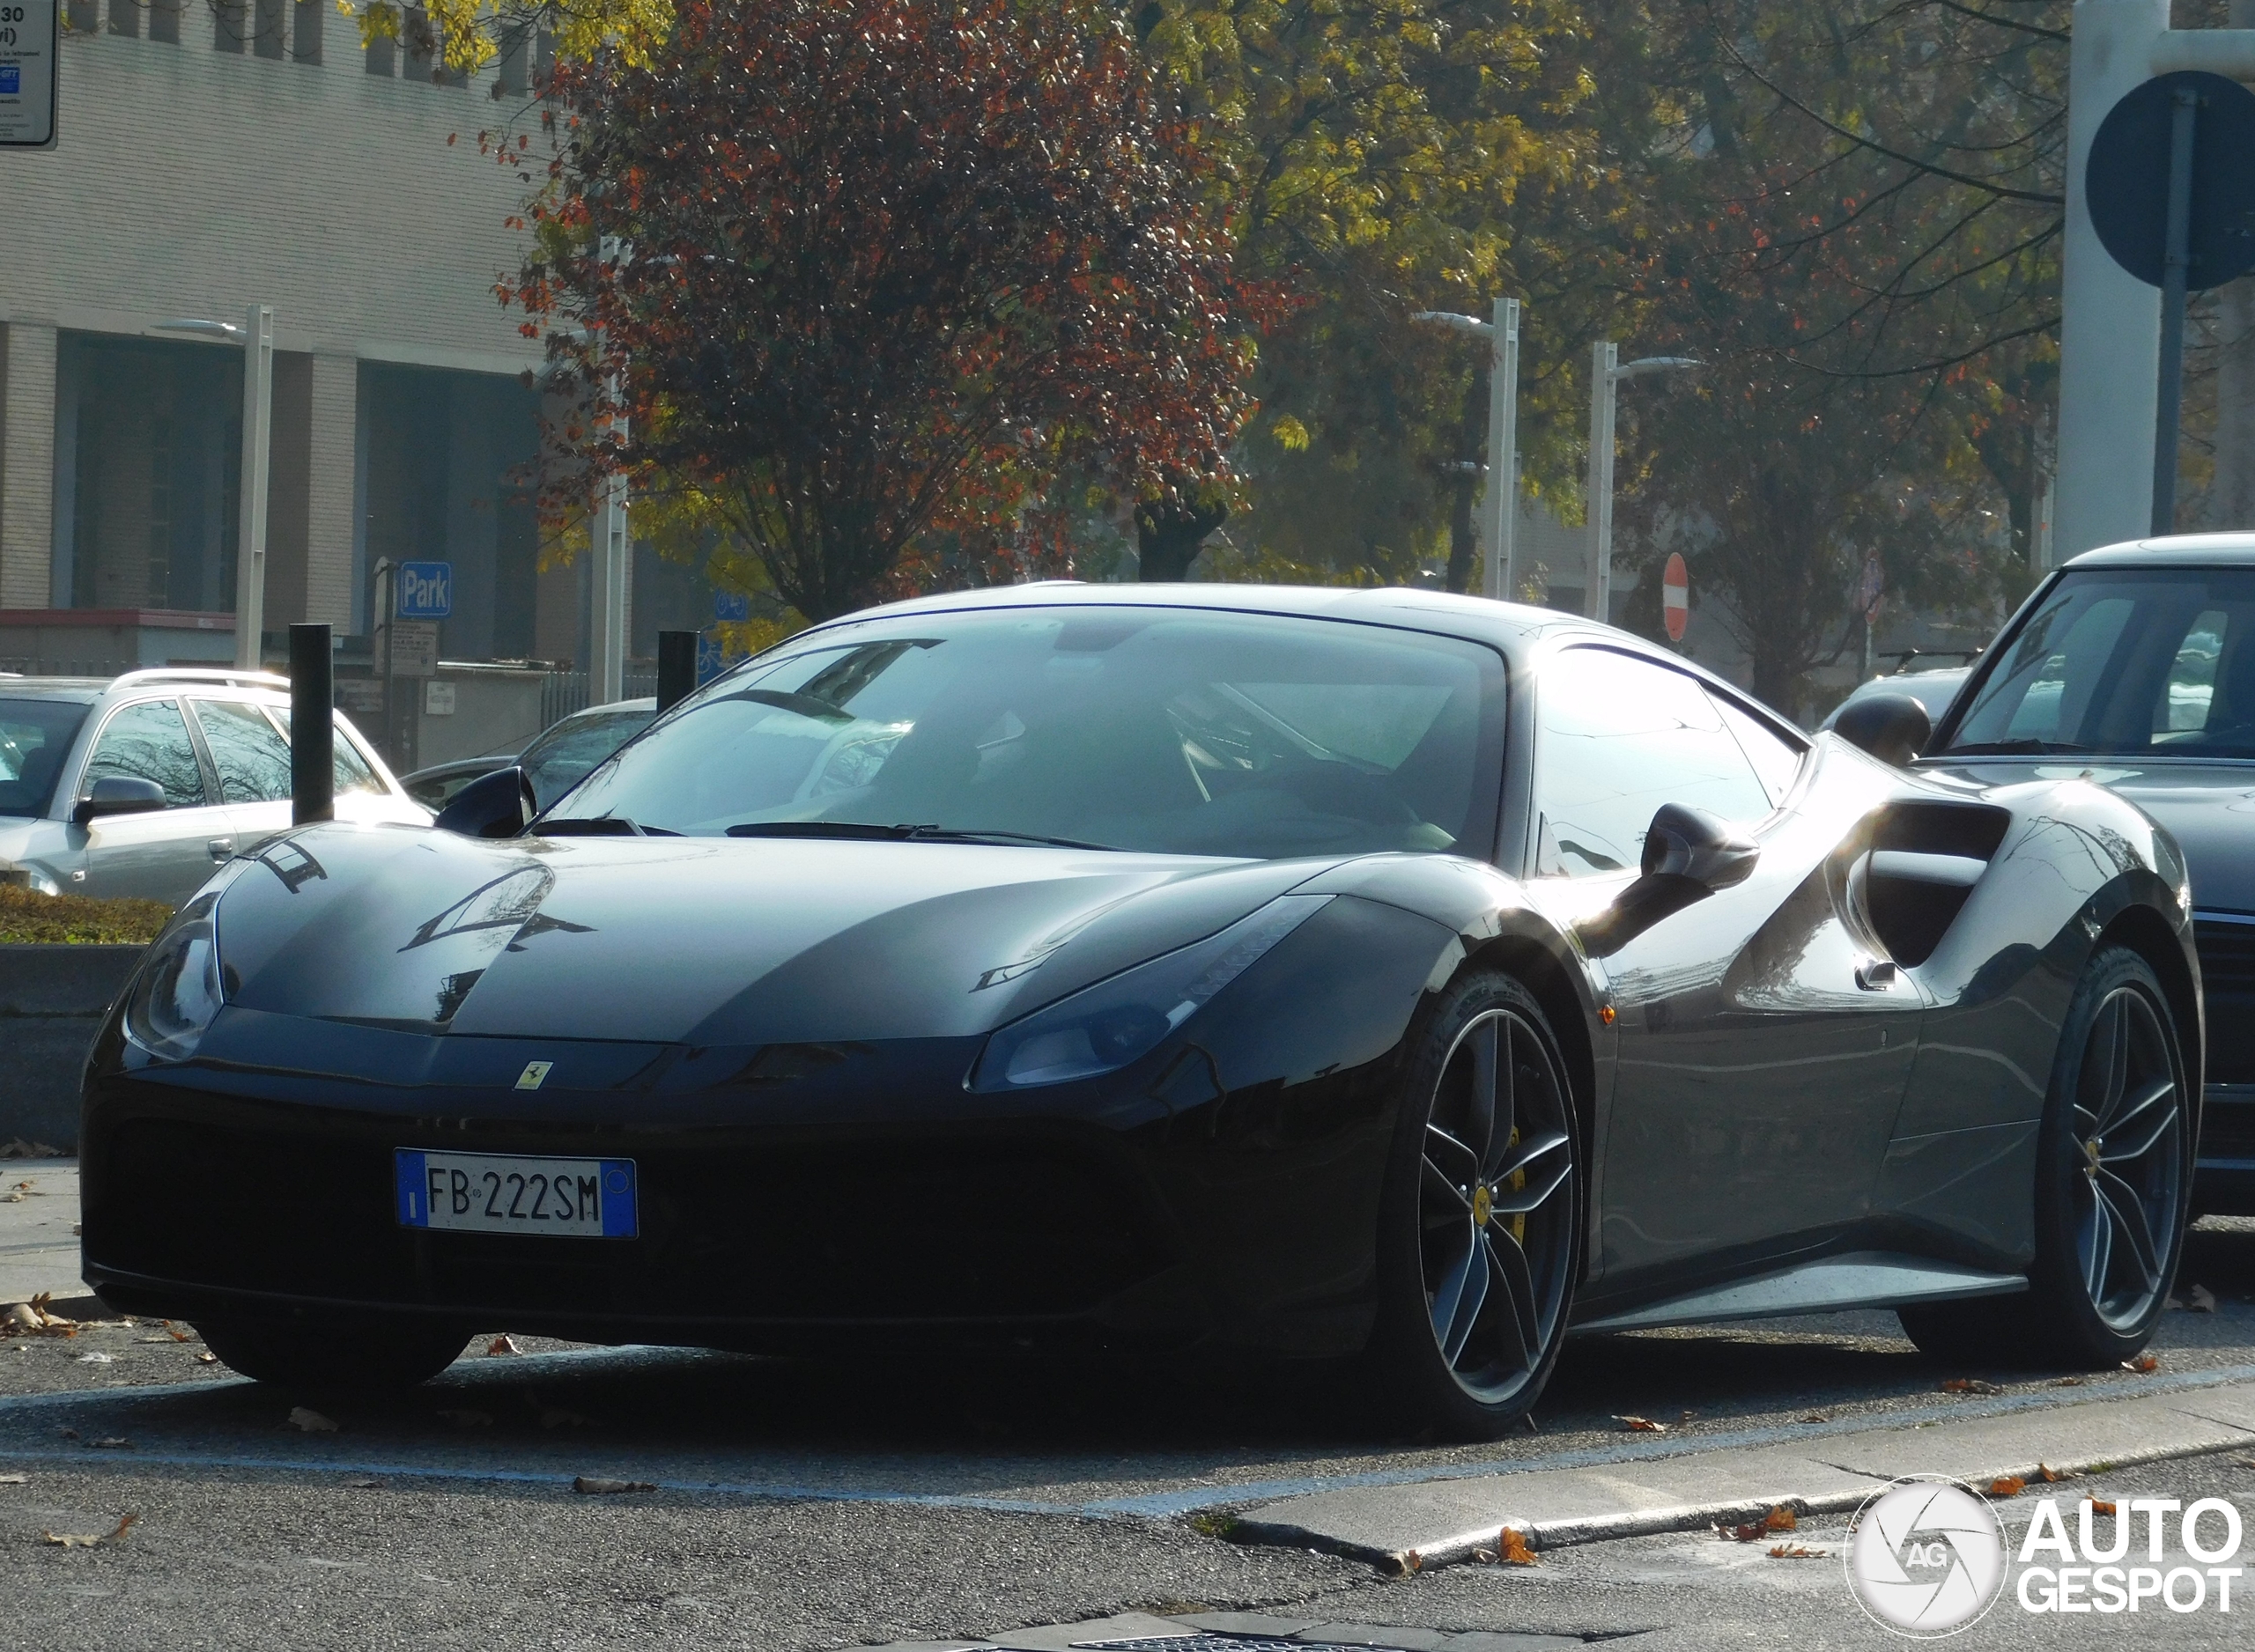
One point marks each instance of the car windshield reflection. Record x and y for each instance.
(1152, 730)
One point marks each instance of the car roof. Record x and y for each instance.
(2174, 551)
(1514, 627)
(81, 690)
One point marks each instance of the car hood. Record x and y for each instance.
(703, 940)
(2209, 808)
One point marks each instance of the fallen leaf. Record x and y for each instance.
(88, 1540)
(1780, 1519)
(503, 1344)
(2144, 1365)
(592, 1486)
(1483, 1557)
(207, 1358)
(1970, 1386)
(113, 1442)
(2048, 1475)
(2171, 1305)
(2067, 1382)
(11, 1480)
(305, 1420)
(1641, 1425)
(2008, 1485)
(97, 1359)
(177, 1334)
(2099, 1506)
(2201, 1299)
(469, 1418)
(1816, 1416)
(1797, 1552)
(1513, 1548)
(1688, 1415)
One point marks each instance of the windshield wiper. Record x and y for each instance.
(868, 831)
(2013, 747)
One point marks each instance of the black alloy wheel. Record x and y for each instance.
(2128, 1194)
(1483, 1214)
(2112, 1185)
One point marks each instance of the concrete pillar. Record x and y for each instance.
(2110, 330)
(331, 451)
(26, 463)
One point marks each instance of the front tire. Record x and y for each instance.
(1479, 1229)
(373, 1358)
(2113, 1185)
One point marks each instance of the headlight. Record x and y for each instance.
(1108, 1025)
(179, 989)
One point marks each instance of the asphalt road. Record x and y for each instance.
(909, 1500)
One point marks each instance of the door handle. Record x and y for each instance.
(221, 848)
(1875, 975)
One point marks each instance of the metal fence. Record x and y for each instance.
(565, 692)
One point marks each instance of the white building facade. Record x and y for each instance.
(214, 156)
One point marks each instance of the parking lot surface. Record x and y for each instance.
(921, 1499)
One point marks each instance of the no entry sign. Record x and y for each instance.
(1675, 596)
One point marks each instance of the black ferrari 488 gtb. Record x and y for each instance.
(1324, 973)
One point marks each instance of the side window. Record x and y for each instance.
(149, 742)
(252, 757)
(351, 769)
(1616, 738)
(1776, 759)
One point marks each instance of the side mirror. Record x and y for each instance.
(1690, 843)
(1893, 728)
(498, 805)
(119, 795)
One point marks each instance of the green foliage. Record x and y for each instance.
(27, 918)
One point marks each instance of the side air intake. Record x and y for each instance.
(1924, 859)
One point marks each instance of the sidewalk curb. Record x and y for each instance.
(1821, 1480)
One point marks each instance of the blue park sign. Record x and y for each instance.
(427, 590)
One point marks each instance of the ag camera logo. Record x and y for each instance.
(1927, 1558)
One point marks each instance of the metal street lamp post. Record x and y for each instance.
(1497, 518)
(1606, 372)
(257, 335)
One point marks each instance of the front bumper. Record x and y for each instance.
(2223, 1177)
(790, 1200)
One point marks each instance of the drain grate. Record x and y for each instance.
(1221, 1643)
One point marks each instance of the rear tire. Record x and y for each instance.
(2113, 1186)
(1480, 1227)
(384, 1355)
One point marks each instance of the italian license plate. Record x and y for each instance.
(493, 1192)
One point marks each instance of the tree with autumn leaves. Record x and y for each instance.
(860, 273)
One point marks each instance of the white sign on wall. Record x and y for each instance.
(27, 72)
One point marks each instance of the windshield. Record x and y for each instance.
(1150, 729)
(556, 761)
(2126, 663)
(35, 737)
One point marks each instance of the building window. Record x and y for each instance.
(125, 18)
(268, 37)
(154, 456)
(305, 28)
(163, 21)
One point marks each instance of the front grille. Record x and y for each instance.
(881, 1226)
(2227, 949)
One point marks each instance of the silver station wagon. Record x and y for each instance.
(140, 784)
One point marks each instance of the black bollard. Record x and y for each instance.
(312, 730)
(676, 668)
